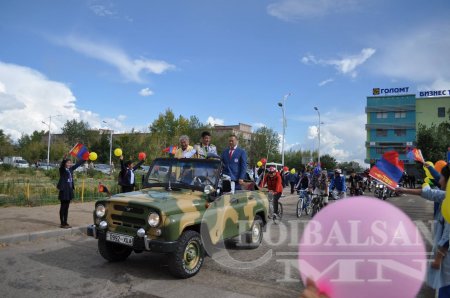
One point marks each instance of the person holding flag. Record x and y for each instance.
(439, 272)
(126, 175)
(66, 185)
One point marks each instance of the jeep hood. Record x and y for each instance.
(168, 202)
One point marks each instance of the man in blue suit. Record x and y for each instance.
(234, 162)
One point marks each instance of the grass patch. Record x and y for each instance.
(36, 187)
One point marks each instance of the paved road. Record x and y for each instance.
(71, 266)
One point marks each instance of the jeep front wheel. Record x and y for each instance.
(188, 257)
(253, 238)
(113, 252)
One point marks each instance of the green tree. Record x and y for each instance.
(77, 131)
(433, 141)
(328, 162)
(6, 145)
(264, 144)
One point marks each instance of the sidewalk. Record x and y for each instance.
(31, 223)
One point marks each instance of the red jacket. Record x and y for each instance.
(274, 183)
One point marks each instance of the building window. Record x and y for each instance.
(400, 114)
(441, 112)
(400, 132)
(381, 115)
(381, 133)
(380, 150)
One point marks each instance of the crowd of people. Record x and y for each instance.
(314, 179)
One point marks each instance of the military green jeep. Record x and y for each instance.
(185, 208)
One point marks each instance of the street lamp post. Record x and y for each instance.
(110, 145)
(49, 136)
(318, 149)
(282, 105)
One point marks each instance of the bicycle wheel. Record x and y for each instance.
(280, 210)
(308, 209)
(300, 207)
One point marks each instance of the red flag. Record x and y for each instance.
(80, 151)
(388, 170)
(171, 149)
(415, 154)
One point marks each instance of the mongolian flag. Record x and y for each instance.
(80, 151)
(103, 188)
(388, 170)
(171, 149)
(415, 154)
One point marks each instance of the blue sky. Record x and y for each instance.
(125, 62)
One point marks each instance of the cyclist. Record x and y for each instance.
(319, 184)
(275, 186)
(354, 181)
(338, 183)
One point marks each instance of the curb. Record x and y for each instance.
(33, 236)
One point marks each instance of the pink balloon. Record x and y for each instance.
(363, 247)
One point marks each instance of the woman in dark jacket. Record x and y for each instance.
(66, 188)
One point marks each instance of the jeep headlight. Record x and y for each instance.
(100, 210)
(153, 219)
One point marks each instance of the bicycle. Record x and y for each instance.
(275, 217)
(304, 202)
(317, 203)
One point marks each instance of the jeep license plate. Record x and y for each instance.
(119, 238)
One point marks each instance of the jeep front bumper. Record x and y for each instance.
(139, 243)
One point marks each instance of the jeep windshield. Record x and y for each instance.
(190, 173)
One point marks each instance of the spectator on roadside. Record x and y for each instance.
(205, 146)
(438, 276)
(126, 176)
(185, 150)
(66, 187)
(293, 180)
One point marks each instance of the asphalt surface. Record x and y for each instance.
(22, 228)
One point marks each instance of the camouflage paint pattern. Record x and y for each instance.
(226, 217)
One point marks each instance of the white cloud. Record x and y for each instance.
(214, 121)
(258, 125)
(102, 10)
(130, 69)
(327, 81)
(419, 55)
(336, 138)
(293, 10)
(346, 65)
(32, 98)
(146, 92)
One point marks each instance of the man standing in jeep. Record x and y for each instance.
(234, 162)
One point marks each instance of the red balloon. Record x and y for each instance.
(263, 160)
(142, 156)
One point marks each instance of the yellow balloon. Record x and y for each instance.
(427, 172)
(292, 171)
(259, 163)
(445, 207)
(117, 152)
(92, 156)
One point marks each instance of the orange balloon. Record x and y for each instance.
(439, 165)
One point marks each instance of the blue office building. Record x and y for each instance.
(391, 125)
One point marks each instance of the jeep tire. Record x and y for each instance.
(253, 238)
(113, 252)
(188, 257)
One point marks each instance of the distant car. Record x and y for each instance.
(21, 163)
(47, 166)
(104, 168)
